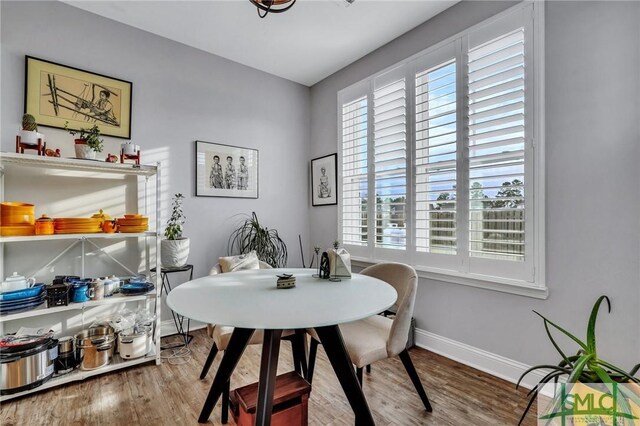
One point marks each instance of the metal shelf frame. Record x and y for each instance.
(152, 237)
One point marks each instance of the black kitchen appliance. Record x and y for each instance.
(26, 362)
(58, 294)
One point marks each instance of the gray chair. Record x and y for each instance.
(378, 337)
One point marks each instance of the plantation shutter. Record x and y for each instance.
(498, 146)
(436, 158)
(354, 215)
(390, 161)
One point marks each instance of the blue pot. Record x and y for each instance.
(80, 292)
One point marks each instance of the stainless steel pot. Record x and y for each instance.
(94, 347)
(26, 369)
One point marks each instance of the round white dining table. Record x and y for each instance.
(249, 300)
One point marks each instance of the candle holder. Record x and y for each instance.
(316, 251)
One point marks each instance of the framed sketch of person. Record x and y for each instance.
(226, 171)
(58, 95)
(324, 180)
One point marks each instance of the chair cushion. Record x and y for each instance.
(239, 263)
(221, 335)
(366, 340)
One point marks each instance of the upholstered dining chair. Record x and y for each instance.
(222, 334)
(378, 337)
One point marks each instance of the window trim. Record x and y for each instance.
(538, 288)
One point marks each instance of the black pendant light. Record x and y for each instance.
(272, 6)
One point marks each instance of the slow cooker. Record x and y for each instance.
(26, 364)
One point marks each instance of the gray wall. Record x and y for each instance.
(180, 94)
(592, 196)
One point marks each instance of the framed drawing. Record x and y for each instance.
(55, 94)
(226, 171)
(324, 180)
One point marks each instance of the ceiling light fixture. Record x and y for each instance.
(272, 6)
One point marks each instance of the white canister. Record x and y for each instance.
(109, 287)
(128, 148)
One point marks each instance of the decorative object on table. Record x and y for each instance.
(132, 223)
(111, 158)
(324, 180)
(267, 244)
(175, 248)
(88, 142)
(316, 257)
(325, 268)
(584, 367)
(56, 93)
(226, 171)
(274, 6)
(51, 153)
(285, 281)
(26, 361)
(129, 151)
(77, 225)
(29, 138)
(58, 294)
(339, 262)
(44, 225)
(17, 219)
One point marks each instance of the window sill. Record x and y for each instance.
(480, 281)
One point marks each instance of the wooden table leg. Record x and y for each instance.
(331, 339)
(268, 370)
(237, 344)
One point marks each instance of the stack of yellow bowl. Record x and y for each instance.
(77, 225)
(17, 219)
(133, 223)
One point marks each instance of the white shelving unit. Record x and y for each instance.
(151, 238)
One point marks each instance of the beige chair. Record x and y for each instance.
(222, 334)
(378, 337)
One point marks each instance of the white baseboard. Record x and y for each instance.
(168, 327)
(491, 363)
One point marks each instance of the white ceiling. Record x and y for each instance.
(309, 42)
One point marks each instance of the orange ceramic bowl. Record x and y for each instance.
(15, 214)
(133, 216)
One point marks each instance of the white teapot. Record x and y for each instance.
(16, 282)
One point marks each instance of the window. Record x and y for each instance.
(442, 157)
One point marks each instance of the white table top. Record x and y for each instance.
(250, 299)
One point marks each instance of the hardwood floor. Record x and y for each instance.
(173, 395)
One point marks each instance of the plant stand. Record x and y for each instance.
(178, 319)
(21, 146)
(136, 157)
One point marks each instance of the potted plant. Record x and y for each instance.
(88, 142)
(29, 133)
(266, 242)
(584, 367)
(175, 248)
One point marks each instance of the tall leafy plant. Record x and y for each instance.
(173, 231)
(584, 367)
(251, 235)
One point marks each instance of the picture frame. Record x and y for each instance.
(56, 94)
(324, 180)
(234, 174)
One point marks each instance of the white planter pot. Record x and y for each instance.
(30, 137)
(84, 151)
(174, 253)
(128, 148)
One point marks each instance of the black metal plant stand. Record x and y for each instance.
(178, 319)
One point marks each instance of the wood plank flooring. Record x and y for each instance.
(172, 394)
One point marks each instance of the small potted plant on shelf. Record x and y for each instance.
(88, 142)
(29, 133)
(585, 372)
(175, 248)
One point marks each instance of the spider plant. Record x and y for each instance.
(584, 367)
(266, 242)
